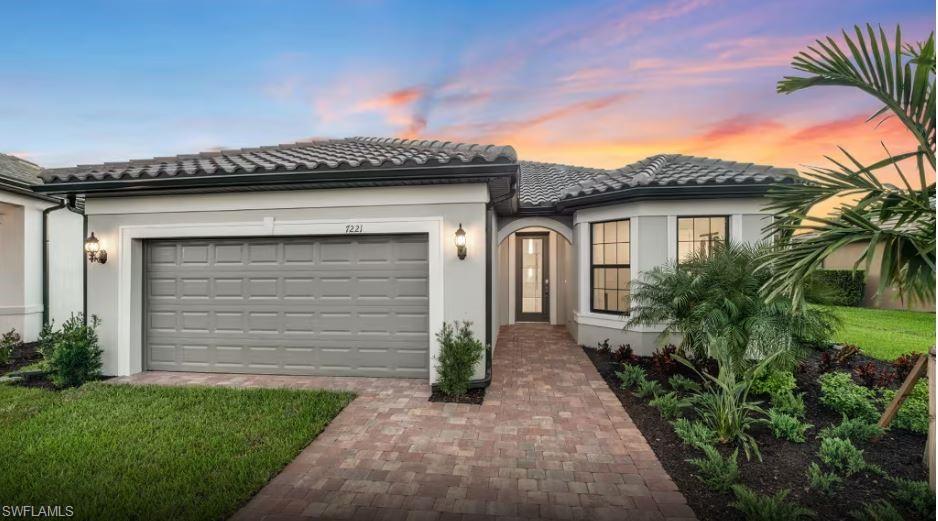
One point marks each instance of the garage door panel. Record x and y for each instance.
(333, 306)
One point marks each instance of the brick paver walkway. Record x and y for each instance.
(550, 442)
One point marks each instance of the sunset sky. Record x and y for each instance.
(591, 83)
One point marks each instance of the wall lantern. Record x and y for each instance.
(461, 242)
(94, 251)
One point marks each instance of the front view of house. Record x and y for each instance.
(344, 257)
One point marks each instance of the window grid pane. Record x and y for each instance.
(611, 276)
(700, 235)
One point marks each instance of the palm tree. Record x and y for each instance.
(900, 219)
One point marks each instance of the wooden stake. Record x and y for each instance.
(917, 371)
(930, 446)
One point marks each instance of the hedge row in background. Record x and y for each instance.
(836, 287)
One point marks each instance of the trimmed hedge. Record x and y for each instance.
(836, 287)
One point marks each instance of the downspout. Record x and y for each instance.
(45, 258)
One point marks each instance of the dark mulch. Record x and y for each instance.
(474, 397)
(784, 463)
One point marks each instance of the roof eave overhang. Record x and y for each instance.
(661, 193)
(463, 173)
(26, 190)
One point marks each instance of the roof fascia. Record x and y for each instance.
(661, 193)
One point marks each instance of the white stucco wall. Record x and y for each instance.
(21, 253)
(654, 242)
(122, 223)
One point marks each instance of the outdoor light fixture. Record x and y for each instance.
(94, 251)
(461, 242)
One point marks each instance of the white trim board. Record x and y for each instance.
(130, 252)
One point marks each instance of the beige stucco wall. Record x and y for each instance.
(560, 274)
(845, 258)
(115, 219)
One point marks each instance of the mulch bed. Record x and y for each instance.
(474, 397)
(784, 464)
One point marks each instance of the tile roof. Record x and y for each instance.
(335, 154)
(19, 170)
(544, 184)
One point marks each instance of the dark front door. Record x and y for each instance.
(532, 288)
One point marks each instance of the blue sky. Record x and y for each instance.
(598, 83)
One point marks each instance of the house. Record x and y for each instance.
(40, 252)
(344, 257)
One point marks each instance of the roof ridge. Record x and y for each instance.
(489, 151)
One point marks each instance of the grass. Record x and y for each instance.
(886, 333)
(150, 452)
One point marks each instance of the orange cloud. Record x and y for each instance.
(397, 98)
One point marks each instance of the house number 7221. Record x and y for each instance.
(354, 228)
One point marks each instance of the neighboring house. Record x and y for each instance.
(340, 257)
(36, 282)
(846, 257)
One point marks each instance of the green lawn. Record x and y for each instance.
(149, 452)
(886, 333)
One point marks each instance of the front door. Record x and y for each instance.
(532, 288)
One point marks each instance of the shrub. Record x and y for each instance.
(903, 365)
(835, 287)
(459, 354)
(786, 427)
(840, 393)
(843, 457)
(772, 382)
(624, 355)
(630, 376)
(604, 347)
(662, 361)
(648, 389)
(694, 433)
(872, 376)
(916, 496)
(913, 414)
(877, 511)
(755, 507)
(821, 481)
(857, 430)
(669, 405)
(789, 403)
(75, 356)
(683, 384)
(717, 472)
(8, 342)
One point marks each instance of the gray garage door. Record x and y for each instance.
(338, 306)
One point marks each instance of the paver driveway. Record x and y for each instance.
(551, 441)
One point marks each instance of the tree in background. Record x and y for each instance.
(900, 219)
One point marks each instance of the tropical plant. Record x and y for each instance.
(755, 507)
(717, 472)
(624, 355)
(789, 403)
(772, 382)
(630, 376)
(669, 405)
(460, 351)
(681, 383)
(719, 295)
(724, 404)
(840, 393)
(898, 219)
(787, 427)
(694, 432)
(821, 481)
(857, 430)
(648, 389)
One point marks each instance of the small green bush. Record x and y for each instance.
(630, 376)
(774, 382)
(8, 342)
(843, 457)
(789, 403)
(786, 427)
(913, 414)
(916, 496)
(75, 356)
(835, 287)
(717, 472)
(840, 393)
(669, 405)
(857, 430)
(648, 389)
(694, 433)
(459, 354)
(880, 510)
(823, 482)
(768, 508)
(683, 384)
